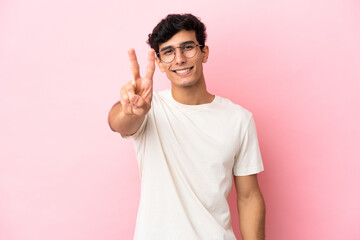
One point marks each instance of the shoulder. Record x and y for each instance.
(233, 109)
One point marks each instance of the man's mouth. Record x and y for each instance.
(183, 70)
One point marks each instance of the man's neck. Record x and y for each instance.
(192, 95)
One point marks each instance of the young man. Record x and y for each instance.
(189, 143)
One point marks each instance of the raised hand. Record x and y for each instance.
(136, 95)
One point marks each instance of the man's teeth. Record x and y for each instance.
(183, 70)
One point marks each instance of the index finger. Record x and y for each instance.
(134, 65)
(150, 69)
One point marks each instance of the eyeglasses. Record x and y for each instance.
(188, 50)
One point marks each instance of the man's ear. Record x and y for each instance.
(205, 52)
(160, 64)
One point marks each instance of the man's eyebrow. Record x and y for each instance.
(181, 44)
(165, 48)
(186, 42)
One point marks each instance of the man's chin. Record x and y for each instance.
(184, 83)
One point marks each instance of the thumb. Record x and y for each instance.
(137, 101)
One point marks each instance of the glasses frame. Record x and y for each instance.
(182, 52)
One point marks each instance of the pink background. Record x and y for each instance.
(295, 64)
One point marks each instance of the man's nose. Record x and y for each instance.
(179, 56)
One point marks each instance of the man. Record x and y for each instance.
(189, 143)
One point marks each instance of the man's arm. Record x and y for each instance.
(251, 207)
(127, 115)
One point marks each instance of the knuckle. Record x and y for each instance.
(123, 96)
(123, 90)
(125, 99)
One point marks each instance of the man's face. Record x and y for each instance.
(182, 71)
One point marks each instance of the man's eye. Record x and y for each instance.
(168, 52)
(188, 47)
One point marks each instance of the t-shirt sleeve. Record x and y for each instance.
(248, 158)
(140, 131)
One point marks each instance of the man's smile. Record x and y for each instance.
(182, 71)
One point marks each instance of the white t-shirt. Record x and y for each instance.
(187, 155)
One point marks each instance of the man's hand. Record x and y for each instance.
(126, 116)
(136, 95)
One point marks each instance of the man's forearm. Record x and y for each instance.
(252, 217)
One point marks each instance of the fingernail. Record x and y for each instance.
(135, 99)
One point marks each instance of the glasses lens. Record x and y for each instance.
(189, 50)
(167, 55)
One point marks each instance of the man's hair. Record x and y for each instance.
(174, 23)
